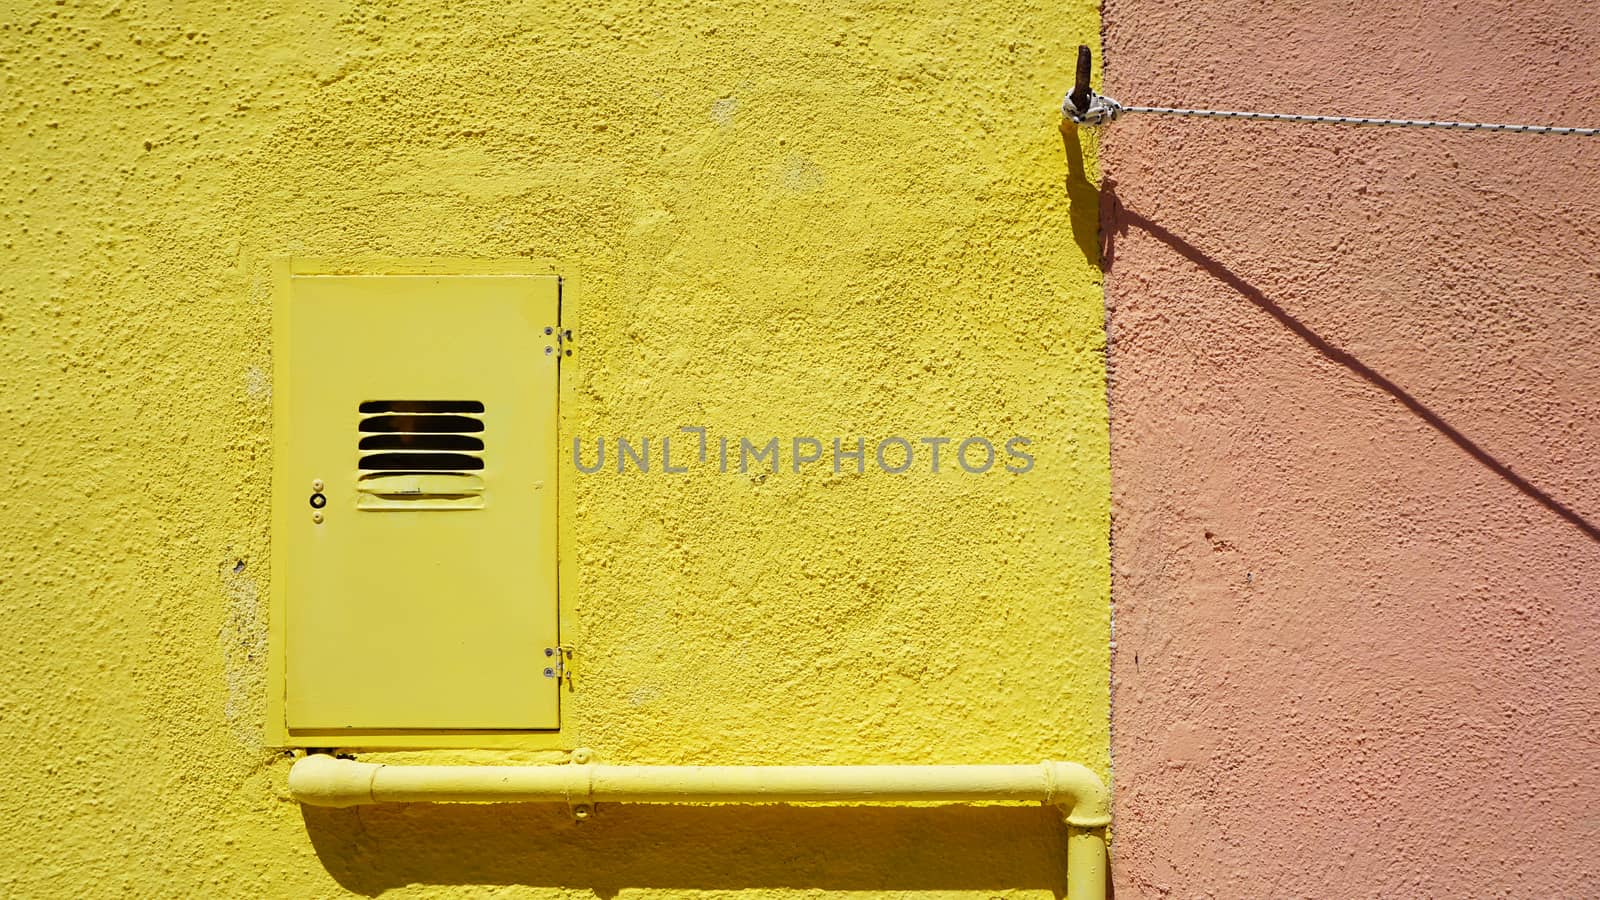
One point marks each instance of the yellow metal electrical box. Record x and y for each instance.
(415, 503)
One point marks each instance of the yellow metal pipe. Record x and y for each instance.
(1087, 865)
(322, 780)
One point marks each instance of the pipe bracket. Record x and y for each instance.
(582, 806)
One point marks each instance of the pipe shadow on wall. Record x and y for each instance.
(371, 849)
(1118, 218)
(1083, 197)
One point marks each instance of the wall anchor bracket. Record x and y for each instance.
(1082, 105)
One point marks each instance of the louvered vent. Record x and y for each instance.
(420, 454)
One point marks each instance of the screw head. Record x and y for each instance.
(549, 350)
(317, 517)
(580, 812)
(582, 755)
(316, 485)
(549, 672)
(549, 651)
(549, 330)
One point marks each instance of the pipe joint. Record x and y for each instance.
(1078, 792)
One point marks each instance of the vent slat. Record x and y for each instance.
(405, 440)
(431, 424)
(437, 484)
(422, 406)
(420, 462)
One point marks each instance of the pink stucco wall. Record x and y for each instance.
(1355, 407)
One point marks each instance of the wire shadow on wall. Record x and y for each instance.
(1119, 218)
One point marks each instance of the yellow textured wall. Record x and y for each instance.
(791, 220)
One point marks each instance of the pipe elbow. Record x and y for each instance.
(318, 779)
(1083, 798)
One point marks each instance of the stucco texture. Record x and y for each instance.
(788, 221)
(1355, 394)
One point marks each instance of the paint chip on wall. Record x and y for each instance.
(803, 176)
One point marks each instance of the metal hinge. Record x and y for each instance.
(562, 341)
(560, 667)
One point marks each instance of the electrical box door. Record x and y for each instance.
(415, 502)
